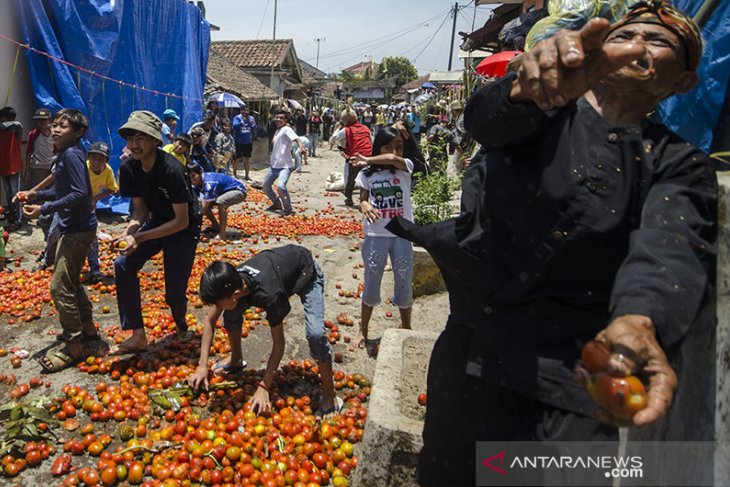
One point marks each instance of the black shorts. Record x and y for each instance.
(243, 150)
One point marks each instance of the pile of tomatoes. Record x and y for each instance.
(231, 446)
(33, 454)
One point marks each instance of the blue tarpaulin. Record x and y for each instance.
(141, 47)
(695, 115)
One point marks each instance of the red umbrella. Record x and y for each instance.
(496, 64)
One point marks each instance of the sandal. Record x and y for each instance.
(327, 413)
(220, 368)
(58, 360)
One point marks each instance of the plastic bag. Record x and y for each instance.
(573, 15)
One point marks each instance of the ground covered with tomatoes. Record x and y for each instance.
(133, 420)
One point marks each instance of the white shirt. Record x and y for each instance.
(390, 195)
(281, 152)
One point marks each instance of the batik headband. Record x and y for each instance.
(660, 12)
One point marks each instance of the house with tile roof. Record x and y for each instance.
(263, 57)
(223, 75)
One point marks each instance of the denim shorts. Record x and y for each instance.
(375, 252)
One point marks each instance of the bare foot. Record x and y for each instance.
(133, 344)
(360, 341)
(329, 408)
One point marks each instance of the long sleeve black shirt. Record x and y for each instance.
(568, 222)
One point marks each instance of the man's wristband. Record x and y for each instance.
(262, 385)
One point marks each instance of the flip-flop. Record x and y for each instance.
(219, 368)
(336, 409)
(58, 360)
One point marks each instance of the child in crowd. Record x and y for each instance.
(38, 151)
(11, 164)
(267, 280)
(217, 189)
(224, 148)
(70, 196)
(103, 184)
(199, 153)
(385, 193)
(180, 148)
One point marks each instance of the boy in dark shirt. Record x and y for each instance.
(267, 281)
(70, 196)
(166, 217)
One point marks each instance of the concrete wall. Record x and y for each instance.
(21, 95)
(722, 414)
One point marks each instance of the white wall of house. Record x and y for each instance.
(21, 95)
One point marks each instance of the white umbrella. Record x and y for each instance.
(228, 100)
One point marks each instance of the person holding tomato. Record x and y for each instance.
(581, 219)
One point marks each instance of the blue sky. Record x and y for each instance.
(418, 30)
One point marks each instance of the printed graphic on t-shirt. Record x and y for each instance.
(387, 197)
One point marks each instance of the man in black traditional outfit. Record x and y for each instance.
(580, 219)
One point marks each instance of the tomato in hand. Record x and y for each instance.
(621, 396)
(595, 356)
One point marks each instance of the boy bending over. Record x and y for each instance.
(267, 281)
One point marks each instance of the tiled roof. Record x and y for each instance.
(254, 54)
(416, 83)
(223, 75)
(310, 74)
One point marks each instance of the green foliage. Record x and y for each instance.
(431, 197)
(400, 67)
(22, 422)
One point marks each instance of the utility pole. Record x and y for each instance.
(273, 51)
(318, 40)
(453, 33)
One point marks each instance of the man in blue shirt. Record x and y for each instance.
(70, 197)
(217, 189)
(244, 128)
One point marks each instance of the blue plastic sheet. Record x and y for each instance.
(161, 45)
(695, 115)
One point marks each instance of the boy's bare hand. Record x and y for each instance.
(260, 401)
(32, 211)
(126, 244)
(23, 196)
(199, 378)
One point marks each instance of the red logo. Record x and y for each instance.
(396, 181)
(488, 462)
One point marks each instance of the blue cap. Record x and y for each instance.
(168, 114)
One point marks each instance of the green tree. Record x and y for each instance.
(398, 67)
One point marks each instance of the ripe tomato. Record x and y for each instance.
(621, 396)
(595, 356)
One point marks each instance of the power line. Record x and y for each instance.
(360, 48)
(380, 40)
(266, 8)
(432, 38)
